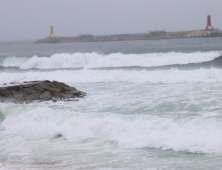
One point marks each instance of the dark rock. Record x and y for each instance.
(19, 87)
(35, 81)
(59, 85)
(53, 90)
(43, 86)
(18, 95)
(11, 88)
(83, 93)
(74, 92)
(46, 81)
(57, 95)
(3, 88)
(39, 90)
(29, 90)
(67, 96)
(68, 88)
(45, 96)
(27, 85)
(6, 93)
(28, 100)
(24, 93)
(48, 84)
(52, 86)
(38, 87)
(33, 96)
(3, 99)
(15, 100)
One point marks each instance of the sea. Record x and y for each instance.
(150, 105)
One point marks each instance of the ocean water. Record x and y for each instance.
(151, 105)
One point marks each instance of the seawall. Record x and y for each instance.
(130, 37)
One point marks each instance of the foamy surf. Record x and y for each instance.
(132, 118)
(96, 60)
(191, 134)
(118, 76)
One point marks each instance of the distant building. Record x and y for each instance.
(158, 32)
(85, 35)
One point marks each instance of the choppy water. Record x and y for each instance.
(151, 105)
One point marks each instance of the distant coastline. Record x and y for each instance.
(129, 37)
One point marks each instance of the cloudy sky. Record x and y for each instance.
(31, 19)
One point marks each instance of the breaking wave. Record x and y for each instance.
(96, 60)
(107, 76)
(193, 134)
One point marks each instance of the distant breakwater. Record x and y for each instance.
(130, 37)
(28, 92)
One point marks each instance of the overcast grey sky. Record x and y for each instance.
(31, 19)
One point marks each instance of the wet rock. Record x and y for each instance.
(73, 92)
(6, 93)
(3, 99)
(45, 96)
(15, 100)
(59, 85)
(54, 90)
(57, 95)
(38, 87)
(68, 88)
(19, 87)
(3, 88)
(10, 88)
(52, 86)
(33, 96)
(29, 90)
(43, 86)
(18, 95)
(27, 85)
(83, 93)
(24, 93)
(38, 90)
(47, 82)
(67, 96)
(28, 100)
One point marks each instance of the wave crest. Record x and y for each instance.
(116, 76)
(95, 60)
(191, 134)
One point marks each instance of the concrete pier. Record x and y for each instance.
(130, 37)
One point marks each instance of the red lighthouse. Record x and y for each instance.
(209, 27)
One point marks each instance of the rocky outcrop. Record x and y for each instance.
(38, 91)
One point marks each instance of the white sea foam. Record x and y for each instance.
(193, 134)
(98, 76)
(95, 60)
